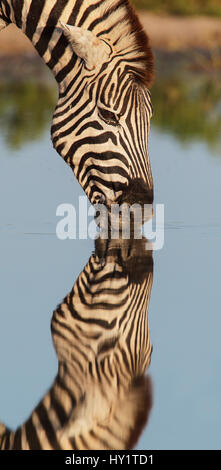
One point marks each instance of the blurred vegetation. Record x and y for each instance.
(186, 106)
(181, 7)
(189, 108)
(26, 109)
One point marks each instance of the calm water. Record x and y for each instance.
(37, 270)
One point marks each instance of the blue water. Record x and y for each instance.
(37, 270)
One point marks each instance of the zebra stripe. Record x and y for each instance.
(100, 398)
(102, 117)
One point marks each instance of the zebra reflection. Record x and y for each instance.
(101, 59)
(100, 398)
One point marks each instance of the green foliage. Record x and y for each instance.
(189, 108)
(25, 110)
(181, 7)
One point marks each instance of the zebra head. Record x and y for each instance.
(101, 122)
(102, 62)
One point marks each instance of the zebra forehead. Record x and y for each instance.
(114, 80)
(116, 96)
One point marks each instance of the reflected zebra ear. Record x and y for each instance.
(86, 45)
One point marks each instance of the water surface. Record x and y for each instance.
(37, 270)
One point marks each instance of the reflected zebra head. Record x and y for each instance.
(102, 340)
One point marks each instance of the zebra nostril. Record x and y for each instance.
(99, 199)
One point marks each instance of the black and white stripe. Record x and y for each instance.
(101, 122)
(101, 397)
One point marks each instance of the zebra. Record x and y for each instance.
(103, 64)
(101, 397)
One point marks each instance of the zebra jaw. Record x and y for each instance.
(86, 45)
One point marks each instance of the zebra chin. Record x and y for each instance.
(137, 192)
(129, 211)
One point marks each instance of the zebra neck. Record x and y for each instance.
(39, 21)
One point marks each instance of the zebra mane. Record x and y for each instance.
(128, 36)
(143, 47)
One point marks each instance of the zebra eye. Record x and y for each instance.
(108, 116)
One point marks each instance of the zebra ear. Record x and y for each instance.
(86, 45)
